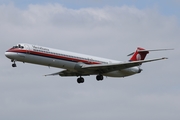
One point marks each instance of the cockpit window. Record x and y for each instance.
(18, 46)
(15, 46)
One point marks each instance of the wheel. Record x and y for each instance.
(80, 80)
(13, 65)
(99, 77)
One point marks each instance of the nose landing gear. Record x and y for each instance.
(14, 64)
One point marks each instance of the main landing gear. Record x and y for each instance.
(98, 78)
(14, 64)
(80, 80)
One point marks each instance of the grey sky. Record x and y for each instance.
(105, 31)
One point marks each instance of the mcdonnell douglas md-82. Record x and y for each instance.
(75, 64)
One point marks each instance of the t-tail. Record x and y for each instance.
(141, 53)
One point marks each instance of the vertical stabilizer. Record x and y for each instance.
(140, 54)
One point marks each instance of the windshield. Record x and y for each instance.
(18, 46)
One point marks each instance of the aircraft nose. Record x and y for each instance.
(9, 55)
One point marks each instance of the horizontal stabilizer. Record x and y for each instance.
(149, 51)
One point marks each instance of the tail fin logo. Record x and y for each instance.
(138, 57)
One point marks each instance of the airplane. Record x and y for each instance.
(75, 64)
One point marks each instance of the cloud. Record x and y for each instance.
(110, 32)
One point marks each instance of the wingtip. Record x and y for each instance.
(46, 75)
(164, 58)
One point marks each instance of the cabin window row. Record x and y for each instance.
(69, 56)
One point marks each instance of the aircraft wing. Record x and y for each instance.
(102, 68)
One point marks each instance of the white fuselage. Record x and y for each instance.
(62, 59)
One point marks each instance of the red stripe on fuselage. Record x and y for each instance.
(19, 50)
